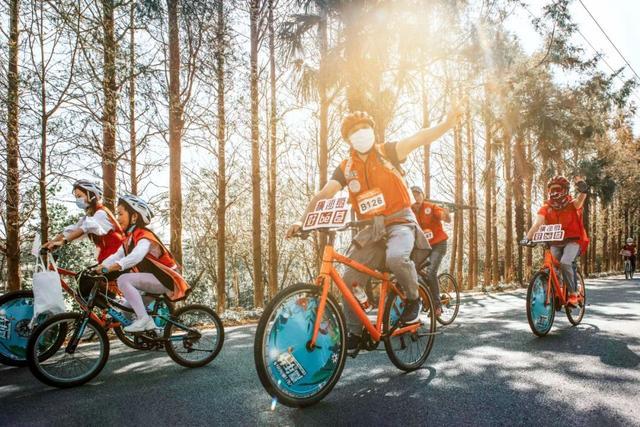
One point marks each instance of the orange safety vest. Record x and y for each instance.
(571, 220)
(375, 174)
(429, 217)
(164, 268)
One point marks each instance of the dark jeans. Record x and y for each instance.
(633, 262)
(438, 252)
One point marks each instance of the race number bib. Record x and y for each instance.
(328, 213)
(371, 202)
(549, 233)
(428, 234)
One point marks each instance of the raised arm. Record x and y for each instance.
(427, 135)
(583, 188)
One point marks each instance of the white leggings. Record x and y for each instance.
(132, 283)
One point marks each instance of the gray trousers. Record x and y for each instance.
(438, 252)
(567, 254)
(396, 253)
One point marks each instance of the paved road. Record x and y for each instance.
(485, 369)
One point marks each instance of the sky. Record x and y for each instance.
(620, 19)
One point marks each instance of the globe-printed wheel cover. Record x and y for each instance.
(294, 369)
(540, 310)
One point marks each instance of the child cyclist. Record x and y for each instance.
(628, 251)
(98, 224)
(142, 263)
(563, 209)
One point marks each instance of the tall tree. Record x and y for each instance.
(133, 147)
(13, 153)
(258, 282)
(109, 113)
(273, 248)
(176, 125)
(220, 55)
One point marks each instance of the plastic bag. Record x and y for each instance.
(47, 292)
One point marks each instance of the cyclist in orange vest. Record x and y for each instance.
(142, 263)
(630, 249)
(378, 191)
(430, 217)
(99, 224)
(563, 209)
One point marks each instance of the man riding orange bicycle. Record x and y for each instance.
(378, 192)
(562, 208)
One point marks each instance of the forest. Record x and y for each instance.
(226, 115)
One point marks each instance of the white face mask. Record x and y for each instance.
(81, 203)
(362, 140)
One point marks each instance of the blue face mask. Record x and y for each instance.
(81, 203)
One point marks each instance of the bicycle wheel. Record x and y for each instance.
(575, 314)
(293, 374)
(540, 314)
(16, 312)
(82, 355)
(410, 350)
(193, 335)
(449, 298)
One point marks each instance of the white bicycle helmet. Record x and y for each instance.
(629, 241)
(90, 187)
(138, 205)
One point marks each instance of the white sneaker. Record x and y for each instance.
(141, 325)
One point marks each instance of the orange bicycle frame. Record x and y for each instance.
(328, 273)
(550, 263)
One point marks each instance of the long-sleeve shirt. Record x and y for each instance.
(97, 224)
(137, 254)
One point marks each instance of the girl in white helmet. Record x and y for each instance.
(142, 263)
(98, 224)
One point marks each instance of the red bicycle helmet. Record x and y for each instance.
(353, 119)
(563, 183)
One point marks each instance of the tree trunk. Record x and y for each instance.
(488, 221)
(273, 249)
(528, 214)
(109, 114)
(471, 181)
(222, 173)
(132, 102)
(258, 297)
(426, 149)
(13, 154)
(323, 143)
(176, 124)
(508, 204)
(459, 199)
(605, 237)
(520, 172)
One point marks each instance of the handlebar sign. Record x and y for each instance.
(549, 233)
(328, 213)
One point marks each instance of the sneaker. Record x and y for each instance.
(353, 341)
(573, 300)
(411, 313)
(141, 325)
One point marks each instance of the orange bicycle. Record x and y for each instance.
(546, 295)
(300, 345)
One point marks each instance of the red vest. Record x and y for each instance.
(109, 243)
(429, 217)
(164, 267)
(571, 220)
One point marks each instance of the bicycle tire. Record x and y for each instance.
(36, 362)
(540, 315)
(282, 336)
(452, 300)
(575, 317)
(13, 352)
(392, 312)
(187, 344)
